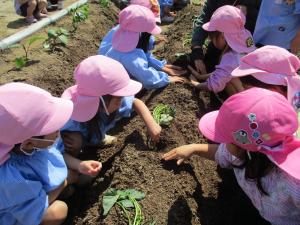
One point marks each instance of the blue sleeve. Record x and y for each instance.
(163, 3)
(151, 43)
(106, 42)
(137, 65)
(297, 7)
(21, 201)
(154, 62)
(126, 107)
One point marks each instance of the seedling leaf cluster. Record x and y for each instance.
(127, 200)
(79, 15)
(56, 37)
(164, 114)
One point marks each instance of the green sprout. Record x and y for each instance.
(163, 114)
(56, 37)
(79, 15)
(104, 3)
(126, 199)
(22, 61)
(187, 40)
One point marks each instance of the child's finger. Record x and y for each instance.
(179, 161)
(194, 72)
(170, 155)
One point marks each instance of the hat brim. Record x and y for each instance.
(239, 41)
(245, 69)
(156, 30)
(209, 128)
(4, 152)
(287, 161)
(85, 107)
(132, 88)
(125, 40)
(62, 112)
(208, 27)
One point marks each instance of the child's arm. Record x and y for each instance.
(88, 167)
(198, 85)
(184, 152)
(154, 129)
(197, 75)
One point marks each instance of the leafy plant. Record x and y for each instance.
(56, 37)
(104, 3)
(21, 61)
(163, 114)
(126, 199)
(79, 15)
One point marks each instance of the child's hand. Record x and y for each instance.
(181, 153)
(194, 81)
(72, 142)
(173, 70)
(90, 167)
(200, 66)
(154, 132)
(176, 79)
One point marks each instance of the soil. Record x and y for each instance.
(194, 193)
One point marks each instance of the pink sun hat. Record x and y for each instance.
(269, 64)
(153, 5)
(27, 111)
(231, 21)
(133, 20)
(257, 120)
(97, 76)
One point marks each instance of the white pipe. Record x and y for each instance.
(6, 42)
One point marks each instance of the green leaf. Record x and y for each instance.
(126, 203)
(52, 33)
(135, 194)
(108, 202)
(63, 31)
(63, 39)
(20, 62)
(34, 39)
(47, 45)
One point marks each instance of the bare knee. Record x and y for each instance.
(32, 3)
(56, 213)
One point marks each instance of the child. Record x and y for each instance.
(32, 171)
(167, 16)
(271, 65)
(31, 9)
(130, 44)
(227, 32)
(278, 23)
(101, 79)
(256, 130)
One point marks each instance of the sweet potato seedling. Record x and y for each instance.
(163, 114)
(104, 3)
(79, 15)
(56, 37)
(126, 199)
(21, 61)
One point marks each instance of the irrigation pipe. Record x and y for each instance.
(17, 37)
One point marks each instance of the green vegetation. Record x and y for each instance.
(79, 15)
(21, 61)
(56, 37)
(126, 199)
(163, 114)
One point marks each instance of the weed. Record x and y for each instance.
(163, 114)
(20, 62)
(126, 199)
(56, 37)
(187, 40)
(104, 3)
(79, 15)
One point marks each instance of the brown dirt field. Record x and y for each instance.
(195, 193)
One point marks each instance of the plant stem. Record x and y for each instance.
(126, 213)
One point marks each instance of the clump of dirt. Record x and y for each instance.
(191, 194)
